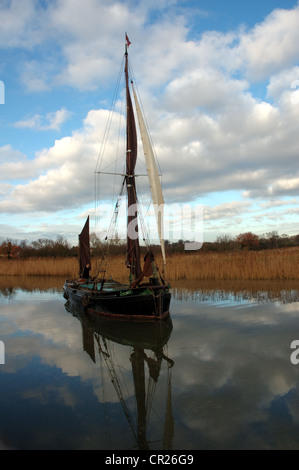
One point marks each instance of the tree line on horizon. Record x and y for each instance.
(60, 248)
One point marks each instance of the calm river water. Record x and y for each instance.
(219, 376)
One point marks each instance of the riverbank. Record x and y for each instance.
(279, 264)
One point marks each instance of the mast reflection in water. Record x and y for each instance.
(146, 353)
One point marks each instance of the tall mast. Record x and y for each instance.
(133, 249)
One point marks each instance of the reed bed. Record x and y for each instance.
(280, 264)
(39, 267)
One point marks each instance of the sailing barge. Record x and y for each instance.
(147, 295)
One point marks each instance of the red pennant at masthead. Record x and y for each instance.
(128, 40)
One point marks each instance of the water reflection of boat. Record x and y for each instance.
(146, 358)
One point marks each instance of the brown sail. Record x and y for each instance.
(84, 248)
(133, 249)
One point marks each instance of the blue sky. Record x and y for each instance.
(219, 81)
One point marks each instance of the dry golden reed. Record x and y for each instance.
(39, 267)
(280, 264)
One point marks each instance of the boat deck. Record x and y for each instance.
(109, 286)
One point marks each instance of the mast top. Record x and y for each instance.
(128, 42)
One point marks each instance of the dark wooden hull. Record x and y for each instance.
(119, 302)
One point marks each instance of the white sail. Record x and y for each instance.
(153, 175)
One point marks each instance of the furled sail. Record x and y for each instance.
(153, 175)
(133, 249)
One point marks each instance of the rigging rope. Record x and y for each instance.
(101, 154)
(114, 379)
